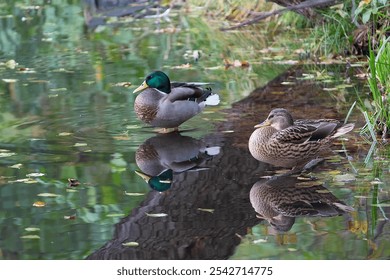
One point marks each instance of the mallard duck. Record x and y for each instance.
(281, 199)
(167, 105)
(163, 155)
(161, 182)
(281, 141)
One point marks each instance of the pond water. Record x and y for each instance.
(66, 114)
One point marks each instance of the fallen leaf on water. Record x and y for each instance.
(17, 166)
(35, 175)
(8, 81)
(206, 210)
(235, 63)
(58, 89)
(80, 145)
(130, 244)
(71, 217)
(376, 182)
(134, 194)
(287, 62)
(156, 215)
(121, 137)
(26, 70)
(11, 64)
(330, 89)
(24, 180)
(115, 215)
(73, 182)
(48, 195)
(30, 237)
(122, 84)
(5, 153)
(259, 241)
(31, 229)
(334, 172)
(39, 204)
(64, 133)
(183, 66)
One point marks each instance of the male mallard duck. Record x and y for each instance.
(281, 141)
(167, 105)
(281, 199)
(162, 156)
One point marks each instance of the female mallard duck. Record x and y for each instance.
(281, 141)
(281, 199)
(167, 105)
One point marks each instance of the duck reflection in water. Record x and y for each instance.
(283, 142)
(280, 199)
(163, 155)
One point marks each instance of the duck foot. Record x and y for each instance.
(166, 130)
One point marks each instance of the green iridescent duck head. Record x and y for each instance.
(161, 182)
(157, 80)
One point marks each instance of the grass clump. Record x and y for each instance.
(376, 109)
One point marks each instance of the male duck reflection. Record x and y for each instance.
(167, 105)
(281, 141)
(281, 199)
(163, 155)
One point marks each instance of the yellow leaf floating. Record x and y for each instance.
(35, 174)
(24, 180)
(64, 133)
(156, 215)
(48, 195)
(31, 229)
(130, 244)
(16, 166)
(32, 236)
(206, 210)
(39, 204)
(134, 194)
(80, 145)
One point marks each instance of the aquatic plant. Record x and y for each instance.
(376, 109)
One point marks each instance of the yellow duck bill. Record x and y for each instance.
(141, 87)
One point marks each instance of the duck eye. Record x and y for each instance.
(149, 77)
(270, 116)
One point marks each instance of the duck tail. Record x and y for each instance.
(343, 130)
(212, 151)
(212, 99)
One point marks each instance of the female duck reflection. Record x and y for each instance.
(280, 199)
(163, 155)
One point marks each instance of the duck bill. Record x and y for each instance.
(141, 87)
(263, 124)
(143, 175)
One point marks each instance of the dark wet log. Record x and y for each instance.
(306, 8)
(96, 12)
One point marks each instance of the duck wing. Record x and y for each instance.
(189, 92)
(300, 133)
